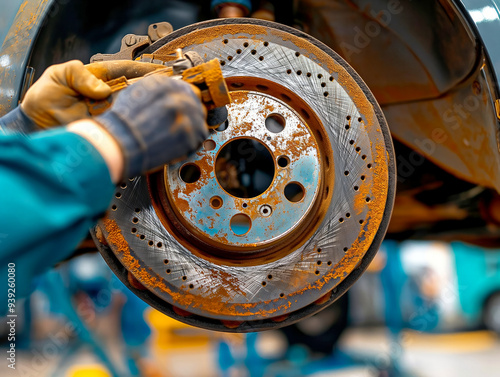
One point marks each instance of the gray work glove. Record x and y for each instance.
(155, 121)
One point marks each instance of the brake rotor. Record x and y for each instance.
(284, 205)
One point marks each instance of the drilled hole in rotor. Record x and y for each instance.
(266, 43)
(262, 87)
(191, 286)
(240, 224)
(114, 207)
(261, 58)
(299, 72)
(209, 145)
(294, 192)
(297, 54)
(150, 243)
(282, 295)
(319, 250)
(216, 202)
(238, 51)
(346, 173)
(275, 123)
(142, 237)
(137, 210)
(244, 205)
(254, 52)
(356, 188)
(348, 117)
(323, 84)
(134, 230)
(358, 149)
(283, 161)
(317, 272)
(369, 166)
(237, 84)
(229, 58)
(159, 245)
(289, 71)
(184, 278)
(360, 119)
(331, 78)
(363, 177)
(345, 249)
(308, 74)
(264, 283)
(347, 126)
(190, 173)
(341, 220)
(361, 221)
(165, 261)
(320, 76)
(368, 199)
(123, 185)
(135, 220)
(222, 62)
(347, 215)
(351, 142)
(168, 271)
(245, 44)
(223, 126)
(329, 263)
(363, 157)
(319, 263)
(118, 194)
(285, 97)
(326, 94)
(270, 277)
(244, 168)
(225, 41)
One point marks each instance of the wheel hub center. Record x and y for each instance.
(255, 179)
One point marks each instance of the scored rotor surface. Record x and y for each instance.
(352, 216)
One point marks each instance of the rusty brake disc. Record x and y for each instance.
(284, 205)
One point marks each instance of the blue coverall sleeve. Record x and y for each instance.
(53, 187)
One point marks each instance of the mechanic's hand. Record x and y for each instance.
(56, 98)
(156, 120)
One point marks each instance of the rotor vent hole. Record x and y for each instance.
(168, 270)
(266, 43)
(270, 277)
(348, 117)
(341, 220)
(262, 87)
(294, 192)
(229, 58)
(237, 85)
(209, 145)
(114, 207)
(190, 173)
(191, 286)
(151, 243)
(361, 221)
(346, 173)
(368, 199)
(223, 126)
(360, 119)
(329, 263)
(135, 220)
(289, 71)
(326, 94)
(282, 295)
(331, 78)
(123, 185)
(363, 157)
(317, 272)
(264, 283)
(240, 224)
(216, 202)
(345, 249)
(133, 230)
(244, 205)
(356, 188)
(283, 161)
(320, 76)
(323, 84)
(165, 261)
(285, 97)
(261, 58)
(347, 215)
(308, 74)
(238, 51)
(351, 142)
(184, 278)
(245, 44)
(118, 195)
(225, 41)
(159, 245)
(137, 210)
(363, 177)
(297, 54)
(254, 52)
(305, 114)
(369, 166)
(275, 123)
(222, 63)
(142, 237)
(358, 149)
(319, 263)
(299, 72)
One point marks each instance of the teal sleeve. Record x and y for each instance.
(54, 185)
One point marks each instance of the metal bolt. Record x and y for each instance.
(265, 210)
(130, 39)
